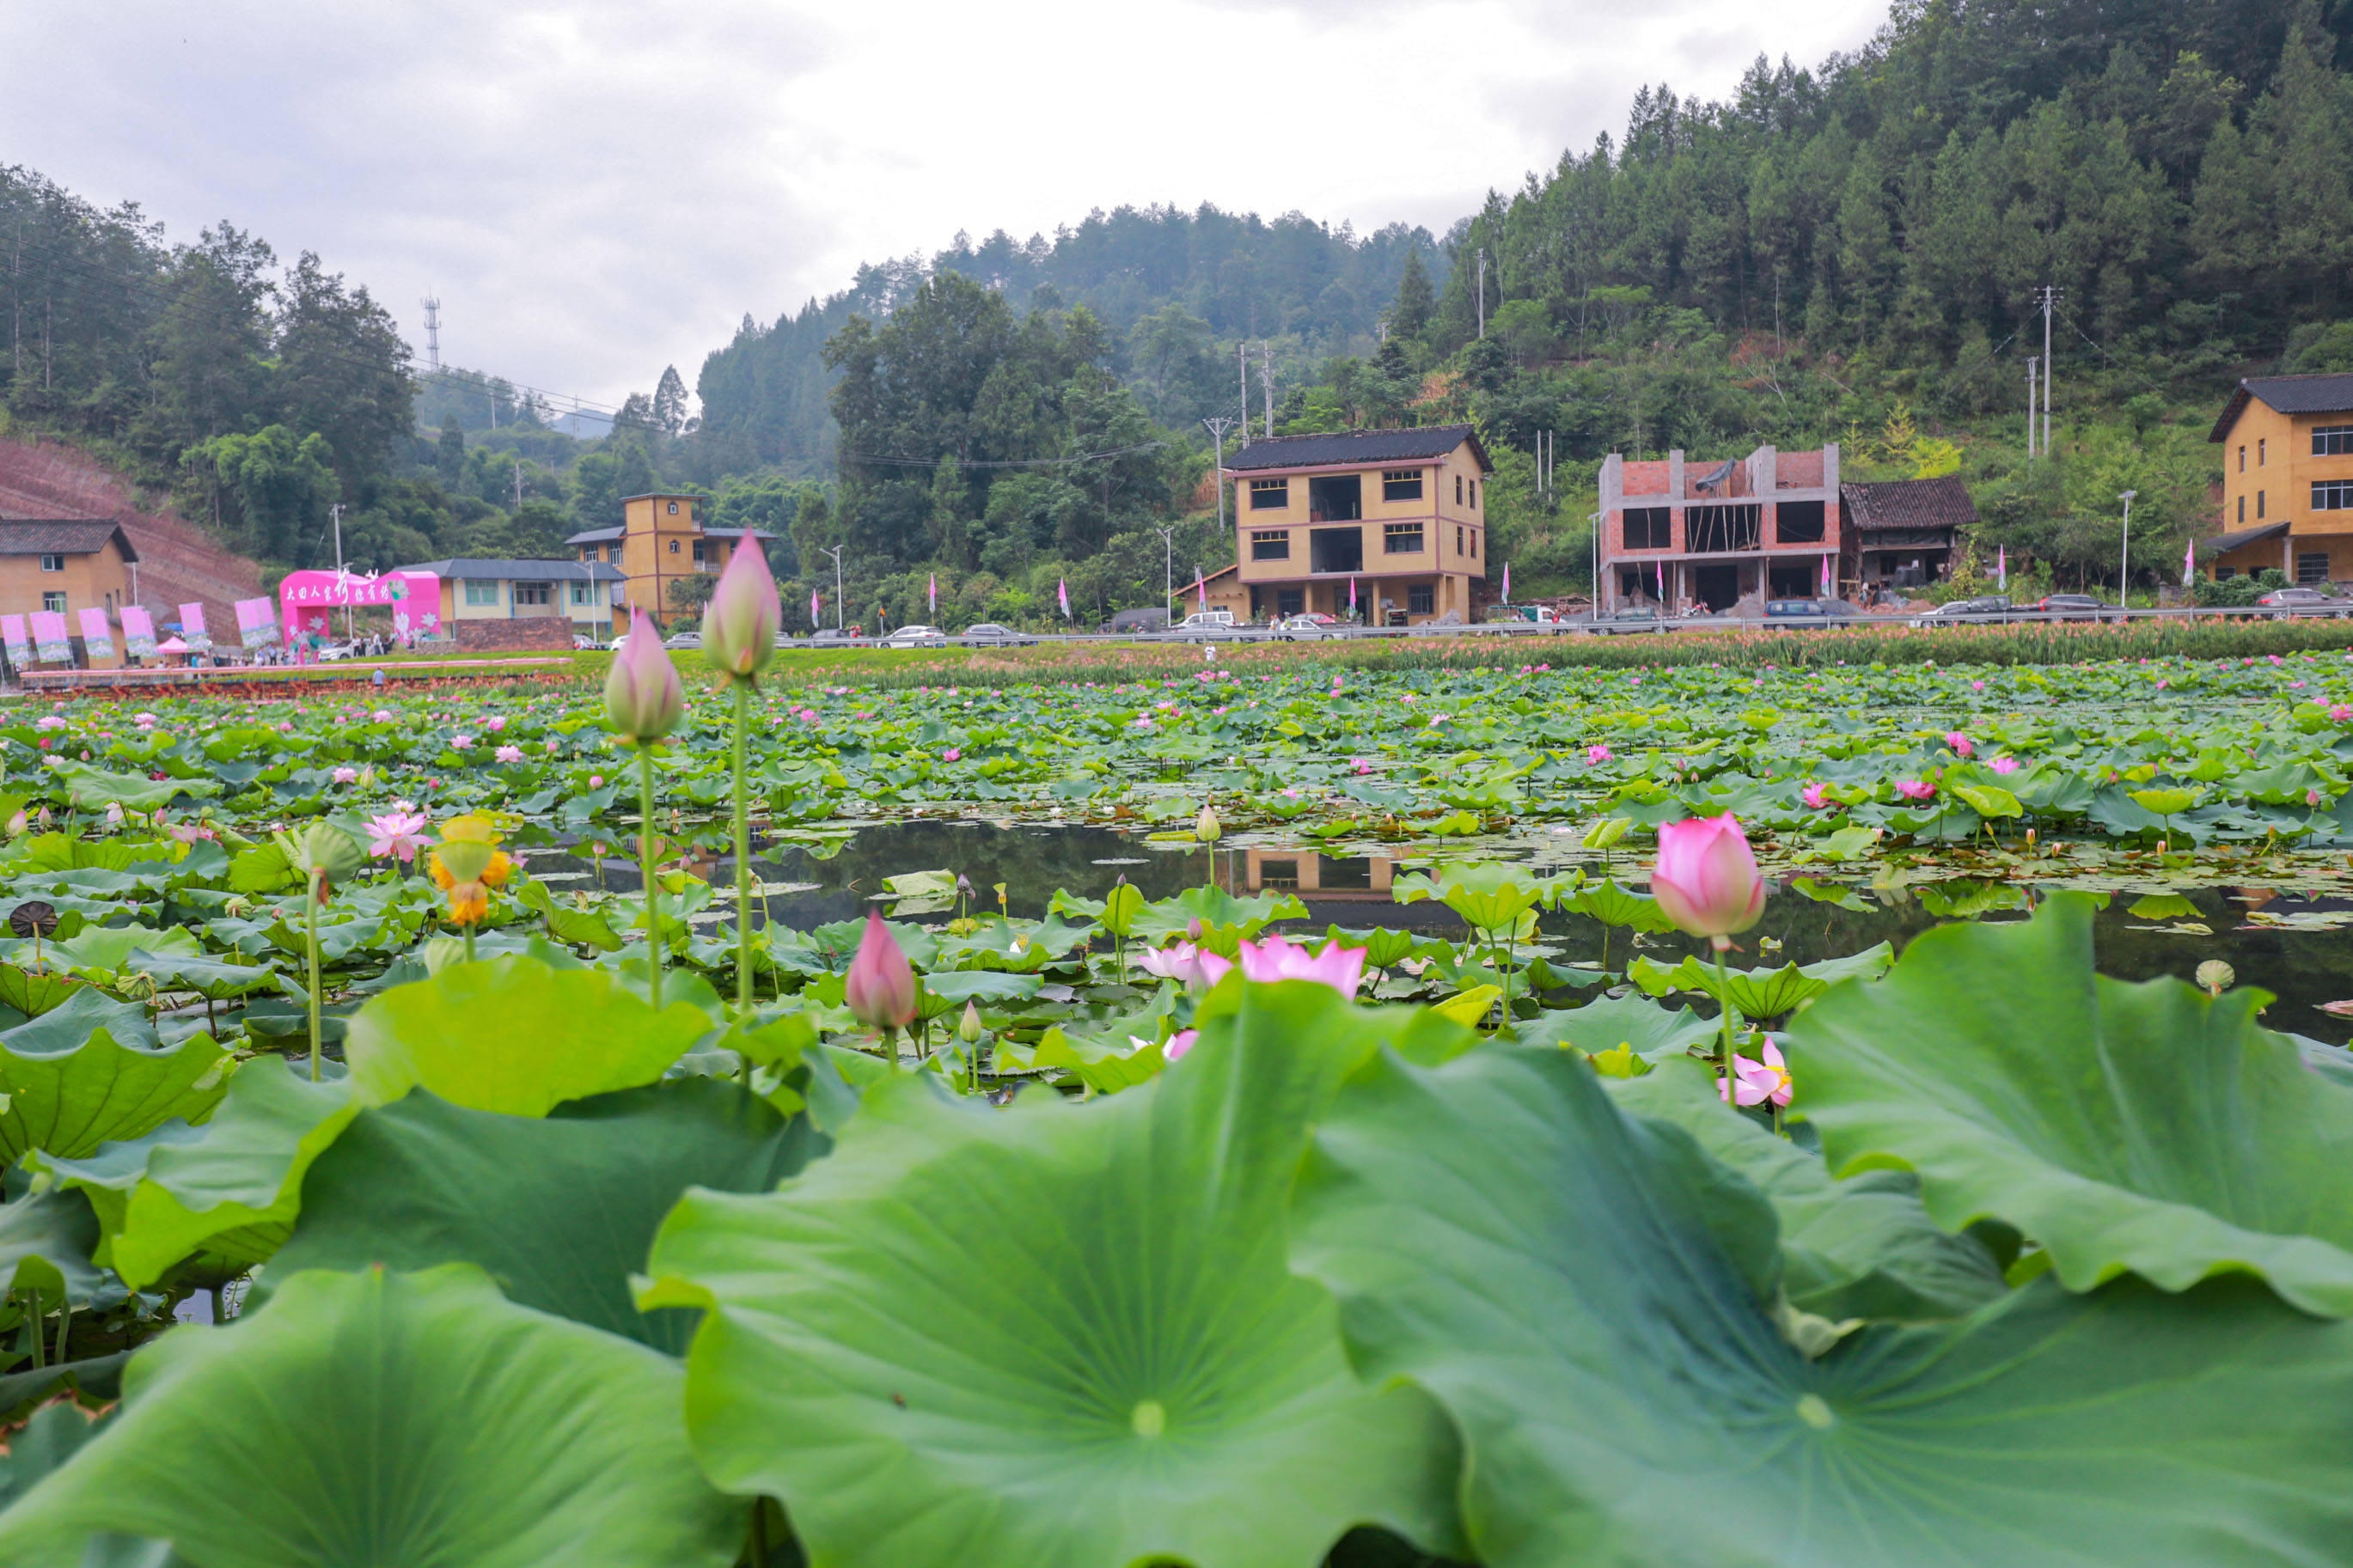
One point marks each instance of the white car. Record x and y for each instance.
(915, 636)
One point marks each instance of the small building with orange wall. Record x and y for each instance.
(661, 540)
(2287, 480)
(1767, 526)
(1395, 519)
(66, 564)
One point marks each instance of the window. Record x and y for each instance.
(1797, 522)
(2222, 575)
(1401, 484)
(1458, 489)
(1650, 526)
(2242, 508)
(2311, 569)
(2335, 495)
(54, 602)
(531, 593)
(1289, 601)
(1271, 544)
(673, 547)
(2262, 452)
(1335, 498)
(1474, 495)
(1718, 528)
(1401, 539)
(53, 563)
(2332, 441)
(673, 509)
(2243, 457)
(1270, 494)
(479, 591)
(699, 559)
(1474, 542)
(1281, 874)
(1421, 599)
(1336, 550)
(2259, 506)
(1457, 540)
(583, 593)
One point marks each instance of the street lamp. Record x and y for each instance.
(836, 552)
(2124, 572)
(1168, 574)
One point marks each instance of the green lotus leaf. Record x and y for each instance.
(566, 924)
(948, 992)
(514, 1036)
(207, 977)
(110, 947)
(561, 1211)
(89, 1071)
(1216, 909)
(94, 789)
(33, 992)
(1062, 1337)
(49, 1236)
(375, 1417)
(1861, 1247)
(1499, 1234)
(2144, 1127)
(1613, 905)
(1606, 1023)
(1759, 993)
(1488, 896)
(1988, 800)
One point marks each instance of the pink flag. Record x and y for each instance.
(1204, 585)
(1352, 596)
(936, 593)
(1827, 583)
(1660, 568)
(2002, 566)
(2189, 566)
(1062, 592)
(817, 607)
(1507, 581)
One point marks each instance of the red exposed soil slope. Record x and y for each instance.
(178, 562)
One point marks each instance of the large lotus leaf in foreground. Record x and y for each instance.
(2142, 1127)
(1862, 1247)
(1060, 1337)
(418, 1419)
(1499, 1234)
(561, 1212)
(90, 1072)
(514, 1036)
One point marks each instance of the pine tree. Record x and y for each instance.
(1416, 300)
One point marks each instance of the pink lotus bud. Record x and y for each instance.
(643, 698)
(738, 625)
(881, 988)
(1706, 879)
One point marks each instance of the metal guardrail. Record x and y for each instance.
(1922, 620)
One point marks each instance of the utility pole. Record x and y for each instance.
(2050, 369)
(2123, 568)
(335, 512)
(1266, 382)
(836, 553)
(2031, 363)
(1216, 423)
(1168, 574)
(1483, 291)
(1241, 352)
(432, 303)
(518, 484)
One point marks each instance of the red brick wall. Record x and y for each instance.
(1798, 470)
(1645, 478)
(535, 634)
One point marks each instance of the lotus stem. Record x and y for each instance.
(743, 866)
(759, 1520)
(35, 1314)
(653, 883)
(65, 1325)
(1723, 999)
(315, 884)
(220, 1306)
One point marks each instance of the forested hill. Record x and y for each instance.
(1175, 291)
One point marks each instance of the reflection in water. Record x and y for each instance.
(2301, 955)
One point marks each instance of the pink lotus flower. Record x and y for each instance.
(1180, 1042)
(1756, 1082)
(554, 747)
(2005, 764)
(2312, 797)
(1705, 878)
(463, 742)
(1961, 745)
(382, 715)
(1596, 756)
(1271, 959)
(951, 754)
(880, 987)
(1915, 789)
(494, 725)
(185, 832)
(509, 755)
(1181, 962)
(345, 775)
(397, 835)
(1813, 797)
(2339, 711)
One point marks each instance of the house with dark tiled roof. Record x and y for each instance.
(65, 564)
(2287, 480)
(1384, 526)
(1902, 532)
(476, 588)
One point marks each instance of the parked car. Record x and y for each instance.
(583, 643)
(330, 653)
(990, 633)
(835, 635)
(1988, 606)
(915, 636)
(1808, 611)
(683, 639)
(2072, 606)
(1128, 623)
(1633, 618)
(2304, 602)
(1204, 626)
(1523, 615)
(1304, 628)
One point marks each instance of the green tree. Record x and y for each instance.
(1416, 300)
(277, 486)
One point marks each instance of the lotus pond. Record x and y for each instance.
(1139, 1236)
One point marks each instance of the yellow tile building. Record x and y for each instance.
(662, 539)
(2287, 480)
(65, 564)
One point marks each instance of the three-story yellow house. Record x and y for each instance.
(2287, 480)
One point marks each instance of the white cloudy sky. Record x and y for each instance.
(597, 188)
